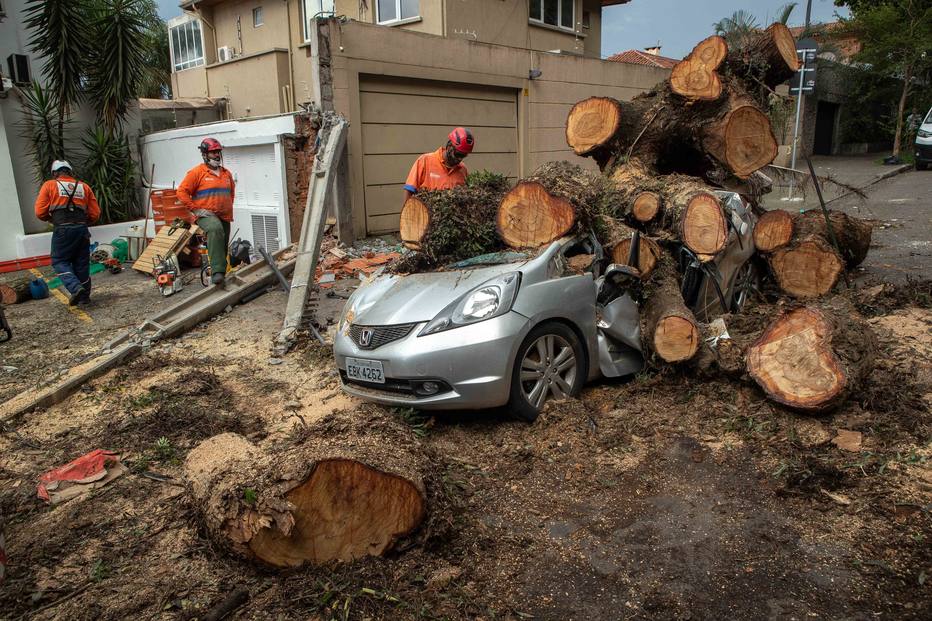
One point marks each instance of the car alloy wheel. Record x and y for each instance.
(550, 364)
(548, 370)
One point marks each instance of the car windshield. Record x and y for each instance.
(492, 258)
(928, 117)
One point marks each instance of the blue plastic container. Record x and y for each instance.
(38, 289)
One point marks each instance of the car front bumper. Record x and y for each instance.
(475, 363)
(923, 153)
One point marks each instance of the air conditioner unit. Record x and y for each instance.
(18, 65)
(225, 53)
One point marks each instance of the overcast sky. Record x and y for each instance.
(677, 24)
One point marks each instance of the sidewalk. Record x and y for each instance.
(858, 171)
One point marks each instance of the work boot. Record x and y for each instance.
(78, 297)
(217, 278)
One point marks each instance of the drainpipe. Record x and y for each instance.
(292, 102)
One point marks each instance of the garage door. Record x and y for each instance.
(403, 118)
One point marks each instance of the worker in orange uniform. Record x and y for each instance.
(207, 191)
(441, 169)
(70, 205)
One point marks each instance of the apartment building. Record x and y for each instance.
(404, 72)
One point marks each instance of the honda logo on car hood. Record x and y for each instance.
(365, 337)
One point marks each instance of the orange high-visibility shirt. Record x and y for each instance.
(430, 173)
(53, 195)
(202, 189)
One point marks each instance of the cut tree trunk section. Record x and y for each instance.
(852, 234)
(808, 268)
(415, 220)
(646, 206)
(742, 139)
(774, 229)
(592, 123)
(548, 205)
(15, 292)
(812, 357)
(769, 57)
(668, 327)
(352, 488)
(617, 238)
(695, 215)
(529, 216)
(695, 76)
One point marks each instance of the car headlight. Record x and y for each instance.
(490, 299)
(924, 134)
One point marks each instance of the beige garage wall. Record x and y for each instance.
(359, 49)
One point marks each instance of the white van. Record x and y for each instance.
(924, 143)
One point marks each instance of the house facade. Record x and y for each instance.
(404, 72)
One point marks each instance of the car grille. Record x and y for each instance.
(924, 151)
(379, 335)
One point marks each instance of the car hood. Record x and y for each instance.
(413, 298)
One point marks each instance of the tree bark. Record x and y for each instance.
(557, 198)
(908, 75)
(769, 57)
(812, 357)
(352, 488)
(15, 292)
(668, 328)
(852, 234)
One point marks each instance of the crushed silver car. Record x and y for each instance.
(514, 329)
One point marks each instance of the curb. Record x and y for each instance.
(890, 173)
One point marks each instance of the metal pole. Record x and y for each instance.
(799, 105)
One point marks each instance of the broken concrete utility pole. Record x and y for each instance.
(301, 302)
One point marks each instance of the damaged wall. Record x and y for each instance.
(300, 149)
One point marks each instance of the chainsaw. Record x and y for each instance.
(167, 275)
(113, 266)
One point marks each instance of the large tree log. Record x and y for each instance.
(616, 238)
(15, 292)
(696, 77)
(807, 268)
(668, 328)
(852, 234)
(777, 229)
(739, 135)
(557, 198)
(774, 230)
(352, 488)
(812, 357)
(455, 224)
(768, 57)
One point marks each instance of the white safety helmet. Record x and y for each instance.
(59, 164)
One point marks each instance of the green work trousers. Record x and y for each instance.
(218, 242)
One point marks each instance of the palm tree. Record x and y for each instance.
(118, 62)
(60, 36)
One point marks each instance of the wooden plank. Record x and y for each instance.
(166, 241)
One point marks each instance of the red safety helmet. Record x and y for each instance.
(462, 140)
(210, 144)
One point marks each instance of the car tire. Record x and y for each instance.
(550, 341)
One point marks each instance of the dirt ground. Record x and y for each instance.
(661, 497)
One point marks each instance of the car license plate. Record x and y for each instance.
(365, 370)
